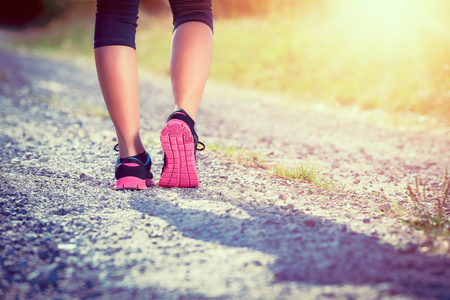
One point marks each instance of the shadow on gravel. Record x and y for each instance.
(312, 250)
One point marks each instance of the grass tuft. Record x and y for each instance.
(421, 200)
(244, 157)
(304, 171)
(443, 200)
(432, 226)
(435, 221)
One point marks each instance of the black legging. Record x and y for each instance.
(116, 20)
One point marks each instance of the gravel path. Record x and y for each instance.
(243, 234)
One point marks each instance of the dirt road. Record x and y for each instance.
(243, 234)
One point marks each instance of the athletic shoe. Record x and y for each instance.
(179, 141)
(131, 173)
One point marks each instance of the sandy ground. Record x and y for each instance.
(243, 233)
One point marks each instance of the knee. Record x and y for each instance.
(191, 10)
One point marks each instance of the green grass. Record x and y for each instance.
(432, 226)
(240, 156)
(70, 36)
(304, 171)
(309, 59)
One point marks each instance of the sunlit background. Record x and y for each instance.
(369, 54)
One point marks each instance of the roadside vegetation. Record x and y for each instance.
(432, 206)
(304, 171)
(241, 156)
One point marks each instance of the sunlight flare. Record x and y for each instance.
(382, 21)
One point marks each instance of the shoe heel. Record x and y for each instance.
(133, 183)
(178, 145)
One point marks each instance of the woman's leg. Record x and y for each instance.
(115, 57)
(192, 43)
(189, 67)
(118, 77)
(192, 46)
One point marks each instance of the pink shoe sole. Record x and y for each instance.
(178, 145)
(132, 183)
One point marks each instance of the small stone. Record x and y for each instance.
(385, 208)
(384, 287)
(285, 274)
(410, 248)
(9, 250)
(67, 247)
(290, 206)
(89, 284)
(310, 223)
(45, 275)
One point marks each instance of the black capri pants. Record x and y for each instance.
(116, 20)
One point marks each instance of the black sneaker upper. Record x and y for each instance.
(180, 114)
(141, 170)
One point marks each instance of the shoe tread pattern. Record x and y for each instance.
(178, 145)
